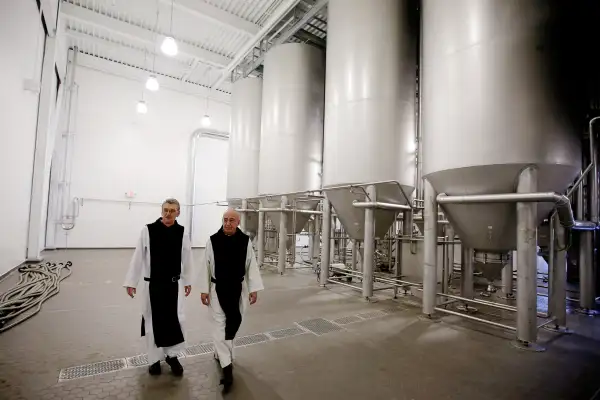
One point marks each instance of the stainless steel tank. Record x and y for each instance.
(370, 106)
(493, 103)
(244, 147)
(292, 127)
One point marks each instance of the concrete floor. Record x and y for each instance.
(393, 354)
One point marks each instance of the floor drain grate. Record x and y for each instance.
(137, 361)
(347, 320)
(91, 369)
(288, 332)
(371, 314)
(252, 339)
(199, 349)
(320, 326)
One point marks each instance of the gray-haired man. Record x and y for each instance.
(163, 258)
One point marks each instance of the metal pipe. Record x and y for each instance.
(527, 258)
(481, 302)
(579, 180)
(562, 202)
(369, 252)
(354, 254)
(430, 250)
(288, 210)
(282, 237)
(261, 239)
(195, 136)
(507, 278)
(398, 254)
(450, 263)
(380, 205)
(326, 242)
(559, 278)
(466, 273)
(594, 173)
(316, 243)
(551, 261)
(244, 216)
(484, 321)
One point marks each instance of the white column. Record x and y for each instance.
(44, 144)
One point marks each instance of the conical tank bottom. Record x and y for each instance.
(492, 227)
(251, 217)
(353, 218)
(300, 219)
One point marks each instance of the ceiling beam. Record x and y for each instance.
(135, 74)
(280, 12)
(293, 30)
(211, 13)
(137, 33)
(121, 52)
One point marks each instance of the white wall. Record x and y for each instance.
(117, 150)
(21, 46)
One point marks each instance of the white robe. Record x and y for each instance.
(139, 268)
(252, 283)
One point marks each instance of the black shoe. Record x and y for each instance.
(155, 369)
(176, 367)
(227, 380)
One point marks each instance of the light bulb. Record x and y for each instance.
(142, 108)
(206, 120)
(152, 83)
(169, 46)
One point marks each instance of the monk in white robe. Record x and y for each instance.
(229, 280)
(163, 258)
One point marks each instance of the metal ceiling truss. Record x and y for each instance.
(304, 24)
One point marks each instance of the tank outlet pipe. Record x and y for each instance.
(563, 205)
(381, 206)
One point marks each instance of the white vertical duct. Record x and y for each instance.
(370, 106)
(244, 146)
(291, 142)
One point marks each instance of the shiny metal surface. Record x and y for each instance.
(527, 259)
(326, 243)
(492, 106)
(559, 277)
(370, 105)
(369, 240)
(283, 237)
(466, 272)
(291, 143)
(430, 250)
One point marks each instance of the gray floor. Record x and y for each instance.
(390, 354)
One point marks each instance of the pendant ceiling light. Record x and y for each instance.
(206, 121)
(142, 108)
(169, 45)
(152, 83)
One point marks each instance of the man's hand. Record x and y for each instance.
(188, 290)
(205, 299)
(130, 291)
(253, 297)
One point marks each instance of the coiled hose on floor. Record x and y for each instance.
(37, 283)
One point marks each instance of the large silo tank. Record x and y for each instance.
(370, 106)
(292, 127)
(496, 98)
(244, 146)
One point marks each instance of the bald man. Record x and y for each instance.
(229, 281)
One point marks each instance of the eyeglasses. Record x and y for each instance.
(169, 211)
